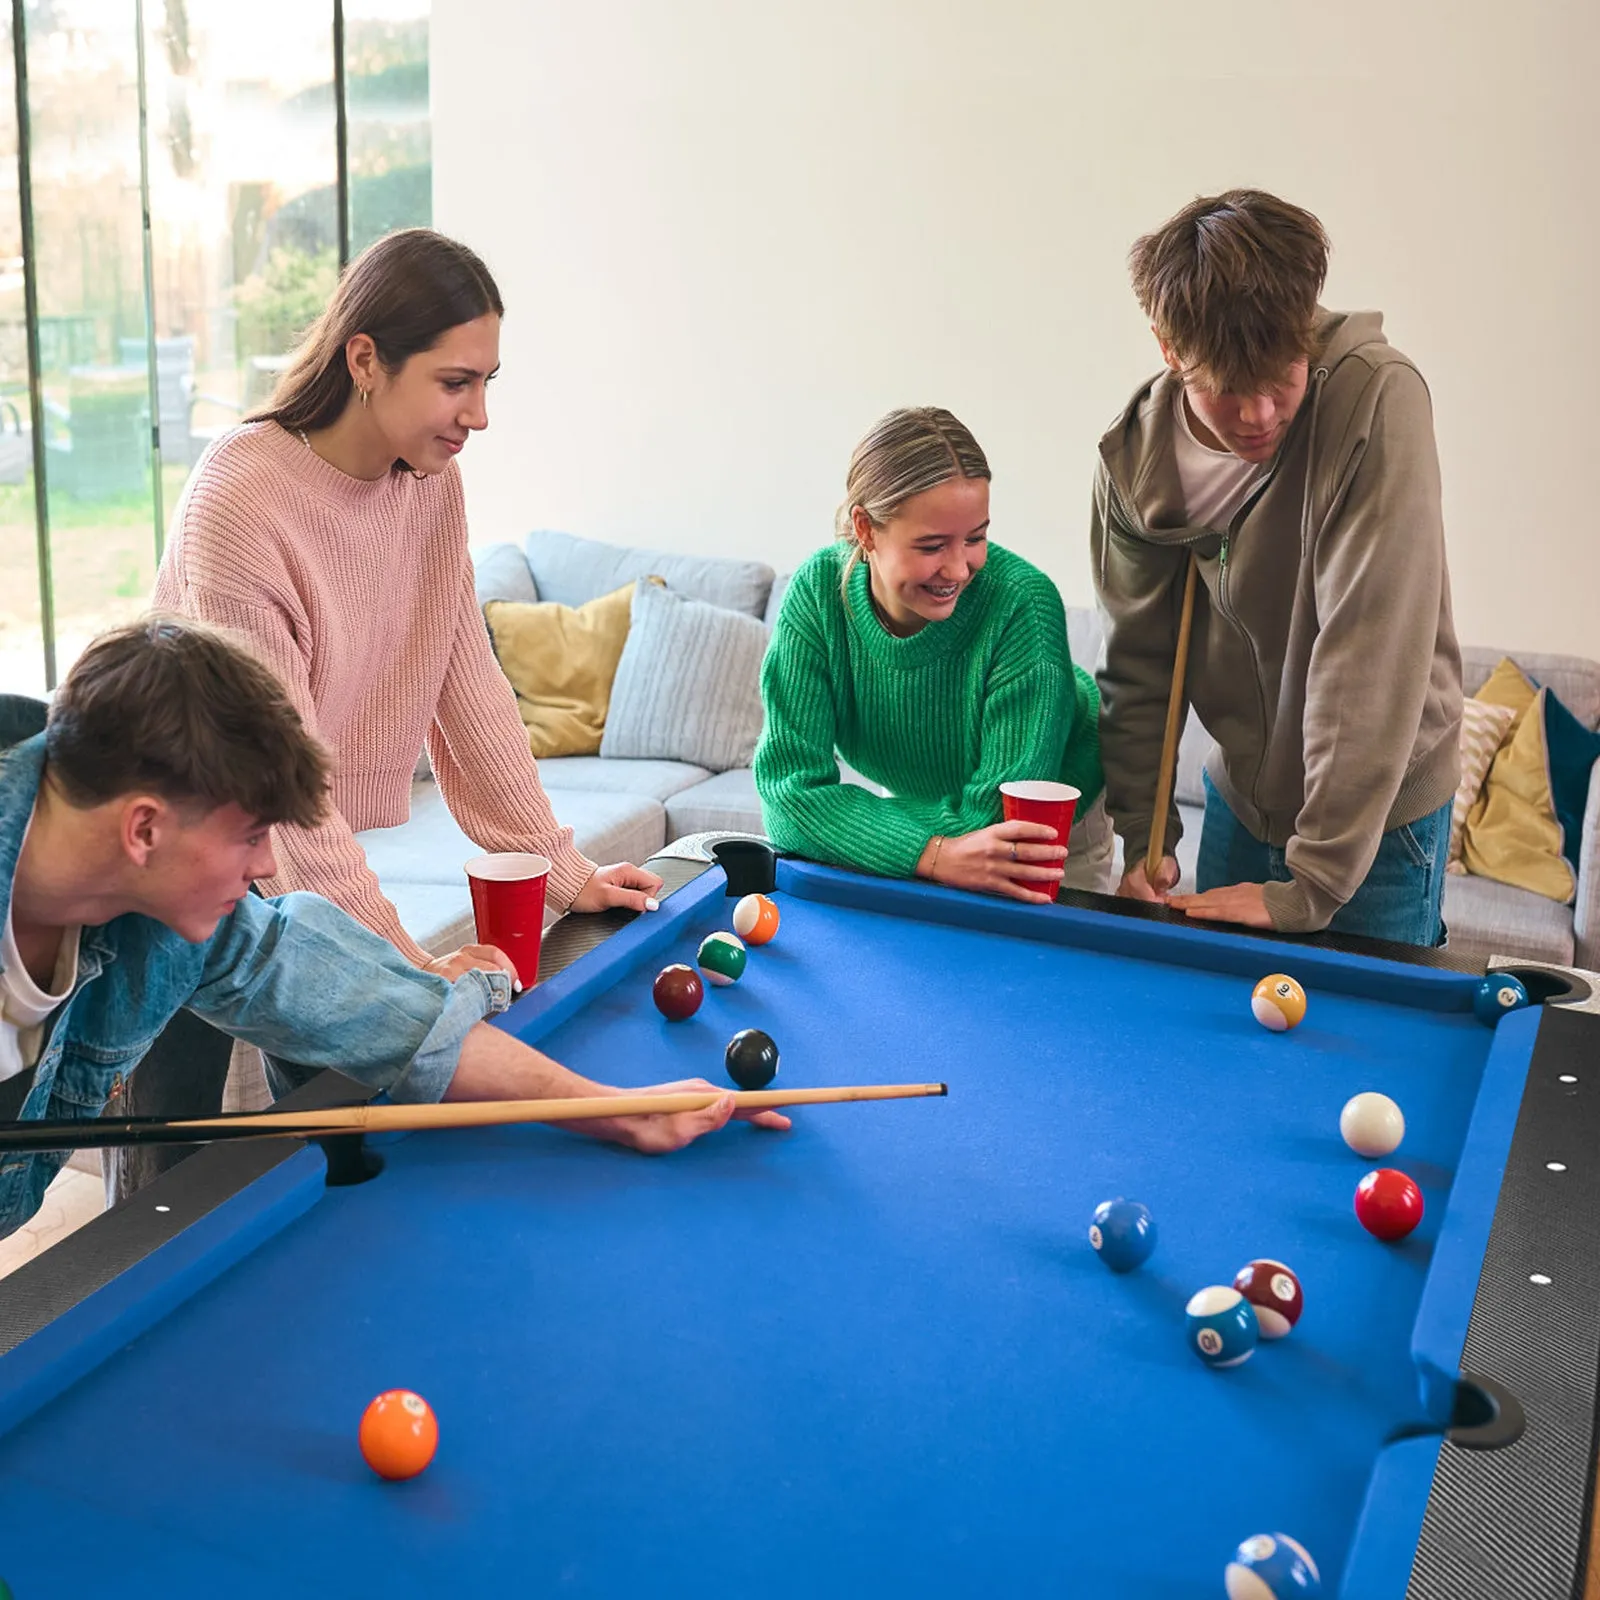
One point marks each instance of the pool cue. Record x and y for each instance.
(69, 1134)
(1157, 848)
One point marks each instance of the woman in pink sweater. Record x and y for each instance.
(330, 530)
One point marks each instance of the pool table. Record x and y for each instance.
(876, 1355)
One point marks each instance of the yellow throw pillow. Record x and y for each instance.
(561, 661)
(1512, 834)
(1508, 685)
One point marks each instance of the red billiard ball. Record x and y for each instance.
(1274, 1290)
(1388, 1204)
(677, 992)
(399, 1434)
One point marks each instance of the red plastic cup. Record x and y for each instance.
(1038, 800)
(508, 906)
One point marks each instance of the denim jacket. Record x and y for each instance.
(294, 976)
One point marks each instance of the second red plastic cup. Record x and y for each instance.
(508, 906)
(1038, 800)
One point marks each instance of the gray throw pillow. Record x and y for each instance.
(688, 687)
(572, 571)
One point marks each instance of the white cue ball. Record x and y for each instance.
(1372, 1124)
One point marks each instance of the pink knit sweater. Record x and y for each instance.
(360, 597)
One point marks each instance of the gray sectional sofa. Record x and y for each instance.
(628, 810)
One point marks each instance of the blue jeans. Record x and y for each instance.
(1399, 900)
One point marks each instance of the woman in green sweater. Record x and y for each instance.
(937, 665)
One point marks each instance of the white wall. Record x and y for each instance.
(731, 233)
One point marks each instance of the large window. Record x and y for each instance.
(225, 129)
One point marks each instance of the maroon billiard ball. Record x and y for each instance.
(1388, 1204)
(677, 992)
(1274, 1290)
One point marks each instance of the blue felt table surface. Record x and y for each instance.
(873, 1356)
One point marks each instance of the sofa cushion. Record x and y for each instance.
(431, 849)
(689, 684)
(500, 572)
(655, 780)
(437, 915)
(1488, 919)
(726, 803)
(561, 660)
(572, 570)
(780, 587)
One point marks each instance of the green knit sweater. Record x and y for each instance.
(940, 719)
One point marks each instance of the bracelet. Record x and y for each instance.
(933, 866)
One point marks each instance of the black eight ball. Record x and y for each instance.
(752, 1059)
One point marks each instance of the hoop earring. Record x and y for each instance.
(363, 397)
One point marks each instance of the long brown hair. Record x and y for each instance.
(405, 292)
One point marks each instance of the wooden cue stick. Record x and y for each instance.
(1157, 848)
(71, 1134)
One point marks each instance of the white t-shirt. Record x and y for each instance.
(24, 1006)
(1215, 482)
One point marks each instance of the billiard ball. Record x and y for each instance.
(1223, 1329)
(399, 1434)
(1272, 1566)
(1123, 1233)
(1388, 1204)
(721, 959)
(1496, 995)
(1372, 1124)
(751, 1058)
(677, 991)
(755, 919)
(1278, 1003)
(1275, 1292)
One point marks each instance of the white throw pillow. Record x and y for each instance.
(688, 687)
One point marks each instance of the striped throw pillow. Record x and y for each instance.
(1483, 727)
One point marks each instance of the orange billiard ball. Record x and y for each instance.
(755, 919)
(399, 1434)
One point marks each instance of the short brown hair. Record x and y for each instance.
(405, 292)
(183, 711)
(1231, 285)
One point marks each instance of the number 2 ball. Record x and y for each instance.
(1278, 1003)
(755, 919)
(1498, 994)
(677, 992)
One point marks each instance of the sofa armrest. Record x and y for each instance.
(1586, 905)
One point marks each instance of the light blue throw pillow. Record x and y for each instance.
(688, 687)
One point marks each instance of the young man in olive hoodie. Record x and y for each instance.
(1291, 450)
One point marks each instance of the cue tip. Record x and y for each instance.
(944, 1088)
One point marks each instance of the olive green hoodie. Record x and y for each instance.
(1323, 656)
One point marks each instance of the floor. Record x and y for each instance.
(76, 1197)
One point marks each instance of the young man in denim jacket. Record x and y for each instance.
(130, 833)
